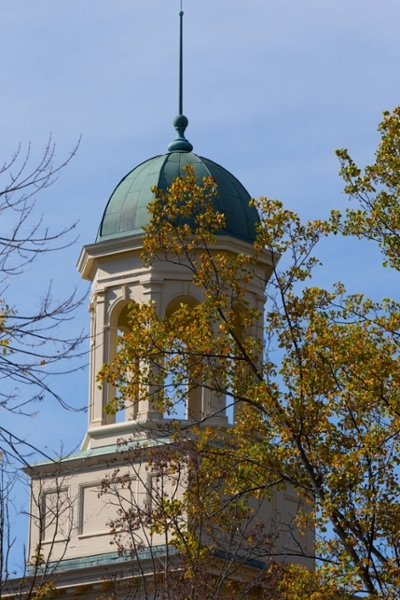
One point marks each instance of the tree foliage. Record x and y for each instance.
(317, 402)
(185, 537)
(377, 192)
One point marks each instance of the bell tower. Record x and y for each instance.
(118, 277)
(69, 517)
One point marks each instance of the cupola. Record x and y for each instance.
(127, 212)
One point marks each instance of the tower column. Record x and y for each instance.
(99, 335)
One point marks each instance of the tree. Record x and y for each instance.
(376, 191)
(317, 405)
(183, 537)
(34, 341)
(51, 512)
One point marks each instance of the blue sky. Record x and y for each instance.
(272, 88)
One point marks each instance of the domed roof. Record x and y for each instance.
(126, 212)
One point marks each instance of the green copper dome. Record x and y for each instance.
(126, 212)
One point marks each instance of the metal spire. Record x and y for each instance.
(180, 143)
(181, 61)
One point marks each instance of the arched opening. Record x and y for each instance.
(123, 327)
(119, 326)
(194, 401)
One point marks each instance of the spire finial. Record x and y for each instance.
(180, 143)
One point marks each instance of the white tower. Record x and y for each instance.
(68, 516)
